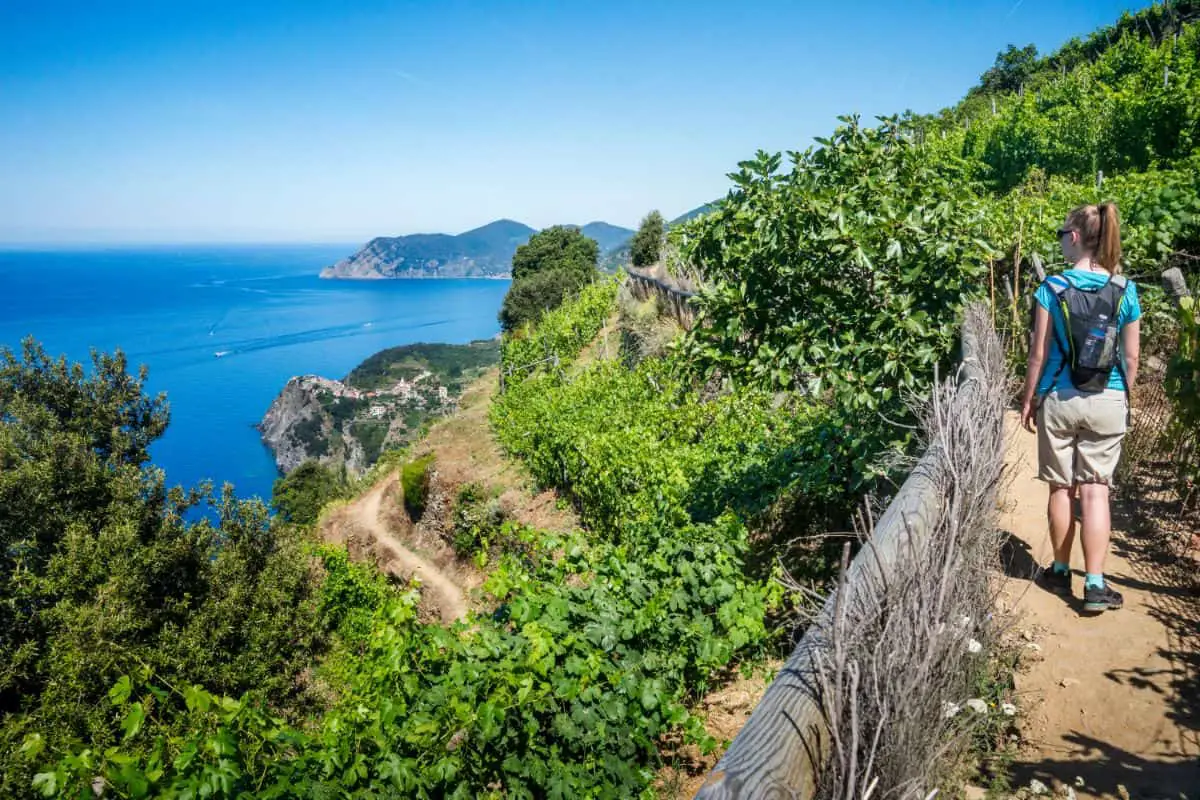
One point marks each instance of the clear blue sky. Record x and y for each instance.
(175, 120)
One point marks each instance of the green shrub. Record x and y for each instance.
(559, 248)
(846, 271)
(414, 481)
(560, 335)
(104, 570)
(648, 241)
(351, 594)
(478, 518)
(300, 495)
(528, 299)
(552, 266)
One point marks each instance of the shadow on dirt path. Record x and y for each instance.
(1111, 702)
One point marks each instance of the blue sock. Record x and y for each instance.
(1059, 568)
(1093, 581)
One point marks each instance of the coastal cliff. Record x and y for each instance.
(480, 253)
(303, 423)
(382, 404)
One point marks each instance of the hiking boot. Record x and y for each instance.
(1103, 598)
(1055, 582)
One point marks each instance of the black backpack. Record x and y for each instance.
(1090, 317)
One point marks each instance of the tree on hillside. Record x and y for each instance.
(552, 265)
(531, 297)
(101, 573)
(1012, 68)
(302, 493)
(556, 248)
(648, 241)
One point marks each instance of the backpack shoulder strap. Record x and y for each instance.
(1059, 284)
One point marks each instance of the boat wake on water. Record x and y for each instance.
(241, 346)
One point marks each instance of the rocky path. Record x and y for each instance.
(1108, 701)
(393, 556)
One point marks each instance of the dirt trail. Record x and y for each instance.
(1108, 701)
(393, 556)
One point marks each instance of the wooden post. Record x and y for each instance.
(992, 287)
(1015, 292)
(1099, 180)
(1175, 285)
(1038, 269)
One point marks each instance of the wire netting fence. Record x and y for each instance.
(1158, 476)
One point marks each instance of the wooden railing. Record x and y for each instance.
(780, 751)
(676, 302)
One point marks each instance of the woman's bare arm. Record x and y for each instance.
(1131, 348)
(1039, 345)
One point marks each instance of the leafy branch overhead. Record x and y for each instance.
(844, 272)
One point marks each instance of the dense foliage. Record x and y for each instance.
(552, 266)
(1013, 67)
(1124, 100)
(556, 248)
(102, 573)
(563, 693)
(414, 482)
(300, 495)
(1183, 381)
(528, 299)
(640, 451)
(845, 272)
(648, 241)
(560, 335)
(593, 651)
(452, 364)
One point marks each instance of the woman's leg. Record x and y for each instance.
(1097, 526)
(1062, 523)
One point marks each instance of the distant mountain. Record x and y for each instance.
(480, 253)
(607, 236)
(695, 212)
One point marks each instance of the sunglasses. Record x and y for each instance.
(1064, 231)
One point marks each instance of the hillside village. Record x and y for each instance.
(382, 405)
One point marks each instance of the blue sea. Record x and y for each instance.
(223, 328)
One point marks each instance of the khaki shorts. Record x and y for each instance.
(1079, 436)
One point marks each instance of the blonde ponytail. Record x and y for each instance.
(1099, 230)
(1108, 249)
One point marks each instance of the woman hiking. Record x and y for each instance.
(1083, 357)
